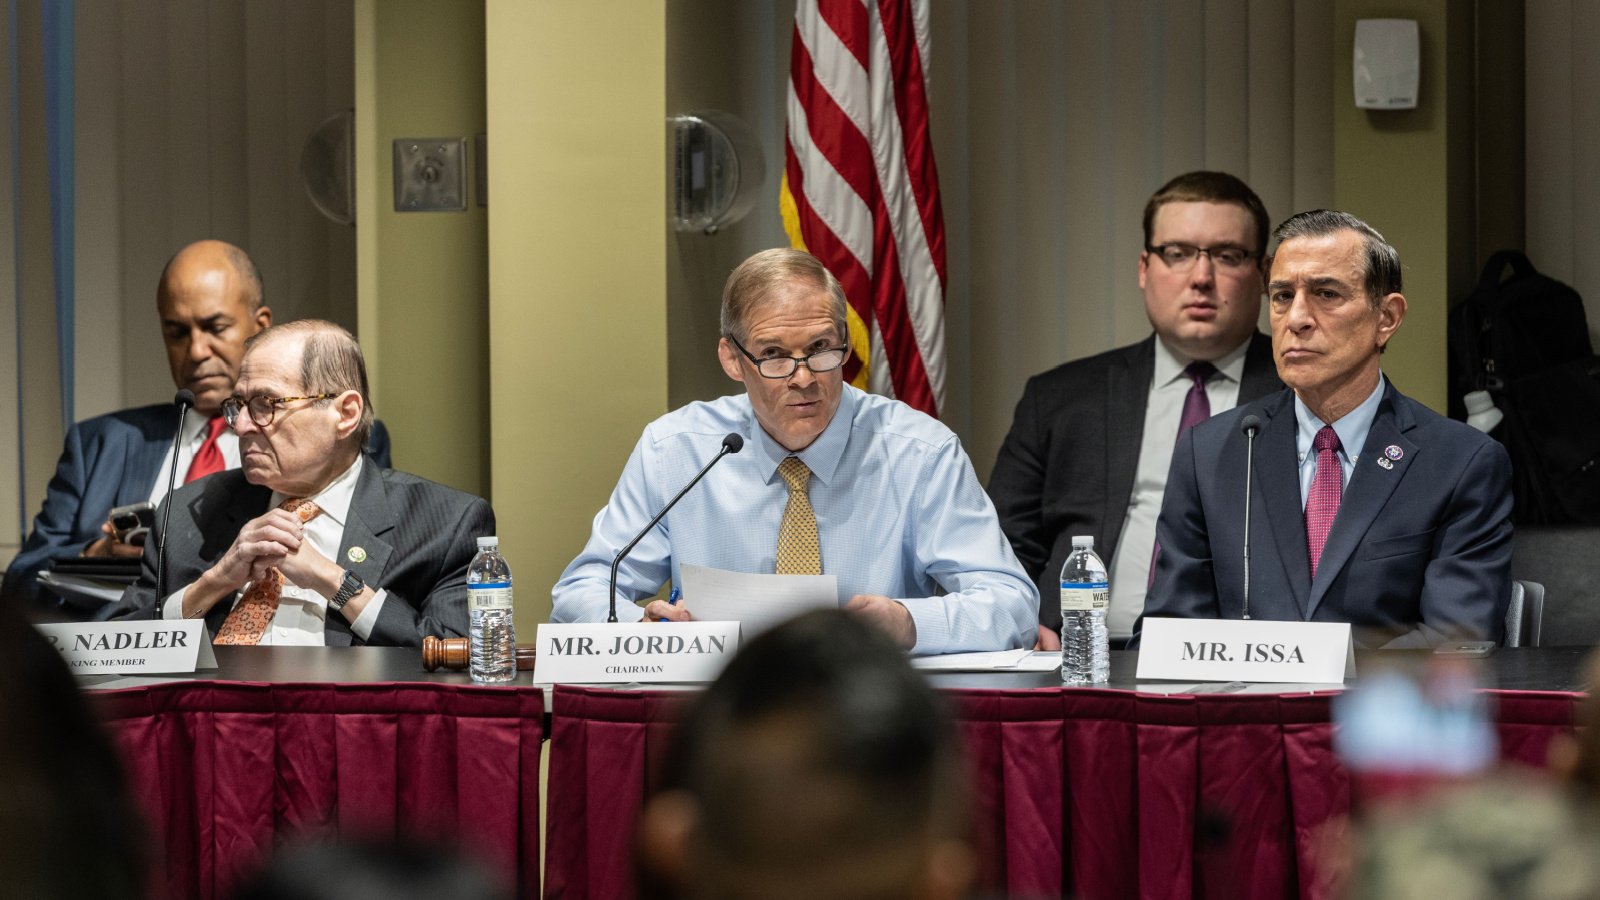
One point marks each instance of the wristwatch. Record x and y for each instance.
(349, 587)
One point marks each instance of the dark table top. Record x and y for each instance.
(1522, 668)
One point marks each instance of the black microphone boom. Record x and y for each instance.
(1249, 425)
(731, 443)
(184, 400)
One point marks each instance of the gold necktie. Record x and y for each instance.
(249, 618)
(799, 552)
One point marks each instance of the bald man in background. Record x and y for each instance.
(210, 301)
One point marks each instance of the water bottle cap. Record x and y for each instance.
(1083, 540)
(488, 543)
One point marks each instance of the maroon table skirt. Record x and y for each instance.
(226, 771)
(1096, 793)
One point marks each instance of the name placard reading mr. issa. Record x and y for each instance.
(643, 652)
(127, 648)
(1246, 650)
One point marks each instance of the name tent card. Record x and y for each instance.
(1246, 650)
(642, 652)
(130, 648)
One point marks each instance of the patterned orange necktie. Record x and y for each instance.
(249, 618)
(799, 550)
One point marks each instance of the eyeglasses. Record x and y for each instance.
(261, 409)
(784, 366)
(1182, 257)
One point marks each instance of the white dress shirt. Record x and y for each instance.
(1130, 566)
(302, 613)
(194, 434)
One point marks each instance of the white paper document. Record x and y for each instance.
(1023, 660)
(758, 602)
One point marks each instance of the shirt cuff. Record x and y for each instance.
(933, 625)
(172, 607)
(362, 626)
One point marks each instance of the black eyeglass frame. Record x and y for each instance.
(1160, 250)
(232, 405)
(793, 361)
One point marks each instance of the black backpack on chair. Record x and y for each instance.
(1525, 340)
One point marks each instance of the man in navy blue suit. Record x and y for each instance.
(210, 302)
(1367, 507)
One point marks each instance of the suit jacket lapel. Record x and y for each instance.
(143, 468)
(1277, 476)
(244, 503)
(1368, 491)
(1127, 387)
(363, 549)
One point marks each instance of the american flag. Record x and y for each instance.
(860, 190)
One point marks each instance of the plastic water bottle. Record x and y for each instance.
(493, 657)
(1085, 594)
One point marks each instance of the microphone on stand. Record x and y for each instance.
(185, 401)
(732, 443)
(1249, 426)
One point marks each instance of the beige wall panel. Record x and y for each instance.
(1552, 149)
(424, 285)
(577, 268)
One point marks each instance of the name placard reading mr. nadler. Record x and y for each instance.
(643, 652)
(1246, 650)
(125, 648)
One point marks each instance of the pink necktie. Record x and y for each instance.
(1322, 504)
(1196, 409)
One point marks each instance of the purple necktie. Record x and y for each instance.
(1196, 409)
(1322, 503)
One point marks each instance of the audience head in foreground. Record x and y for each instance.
(309, 542)
(1368, 507)
(67, 825)
(830, 481)
(819, 764)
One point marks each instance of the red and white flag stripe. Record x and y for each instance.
(860, 188)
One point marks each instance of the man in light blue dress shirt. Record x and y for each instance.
(901, 518)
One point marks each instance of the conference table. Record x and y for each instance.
(1126, 791)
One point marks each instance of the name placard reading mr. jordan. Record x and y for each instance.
(1246, 650)
(643, 652)
(123, 648)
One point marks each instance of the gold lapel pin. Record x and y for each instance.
(356, 554)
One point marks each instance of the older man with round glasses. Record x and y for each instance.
(310, 542)
(832, 481)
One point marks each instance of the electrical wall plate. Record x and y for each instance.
(430, 174)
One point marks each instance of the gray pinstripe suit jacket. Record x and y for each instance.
(419, 538)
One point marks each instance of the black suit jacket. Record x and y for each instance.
(107, 461)
(1420, 551)
(418, 537)
(1068, 464)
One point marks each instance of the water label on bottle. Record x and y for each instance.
(1079, 597)
(489, 596)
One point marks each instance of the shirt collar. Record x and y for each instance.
(823, 456)
(1351, 428)
(1170, 363)
(333, 500)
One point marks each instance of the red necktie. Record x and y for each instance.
(1322, 503)
(249, 618)
(208, 458)
(1196, 409)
